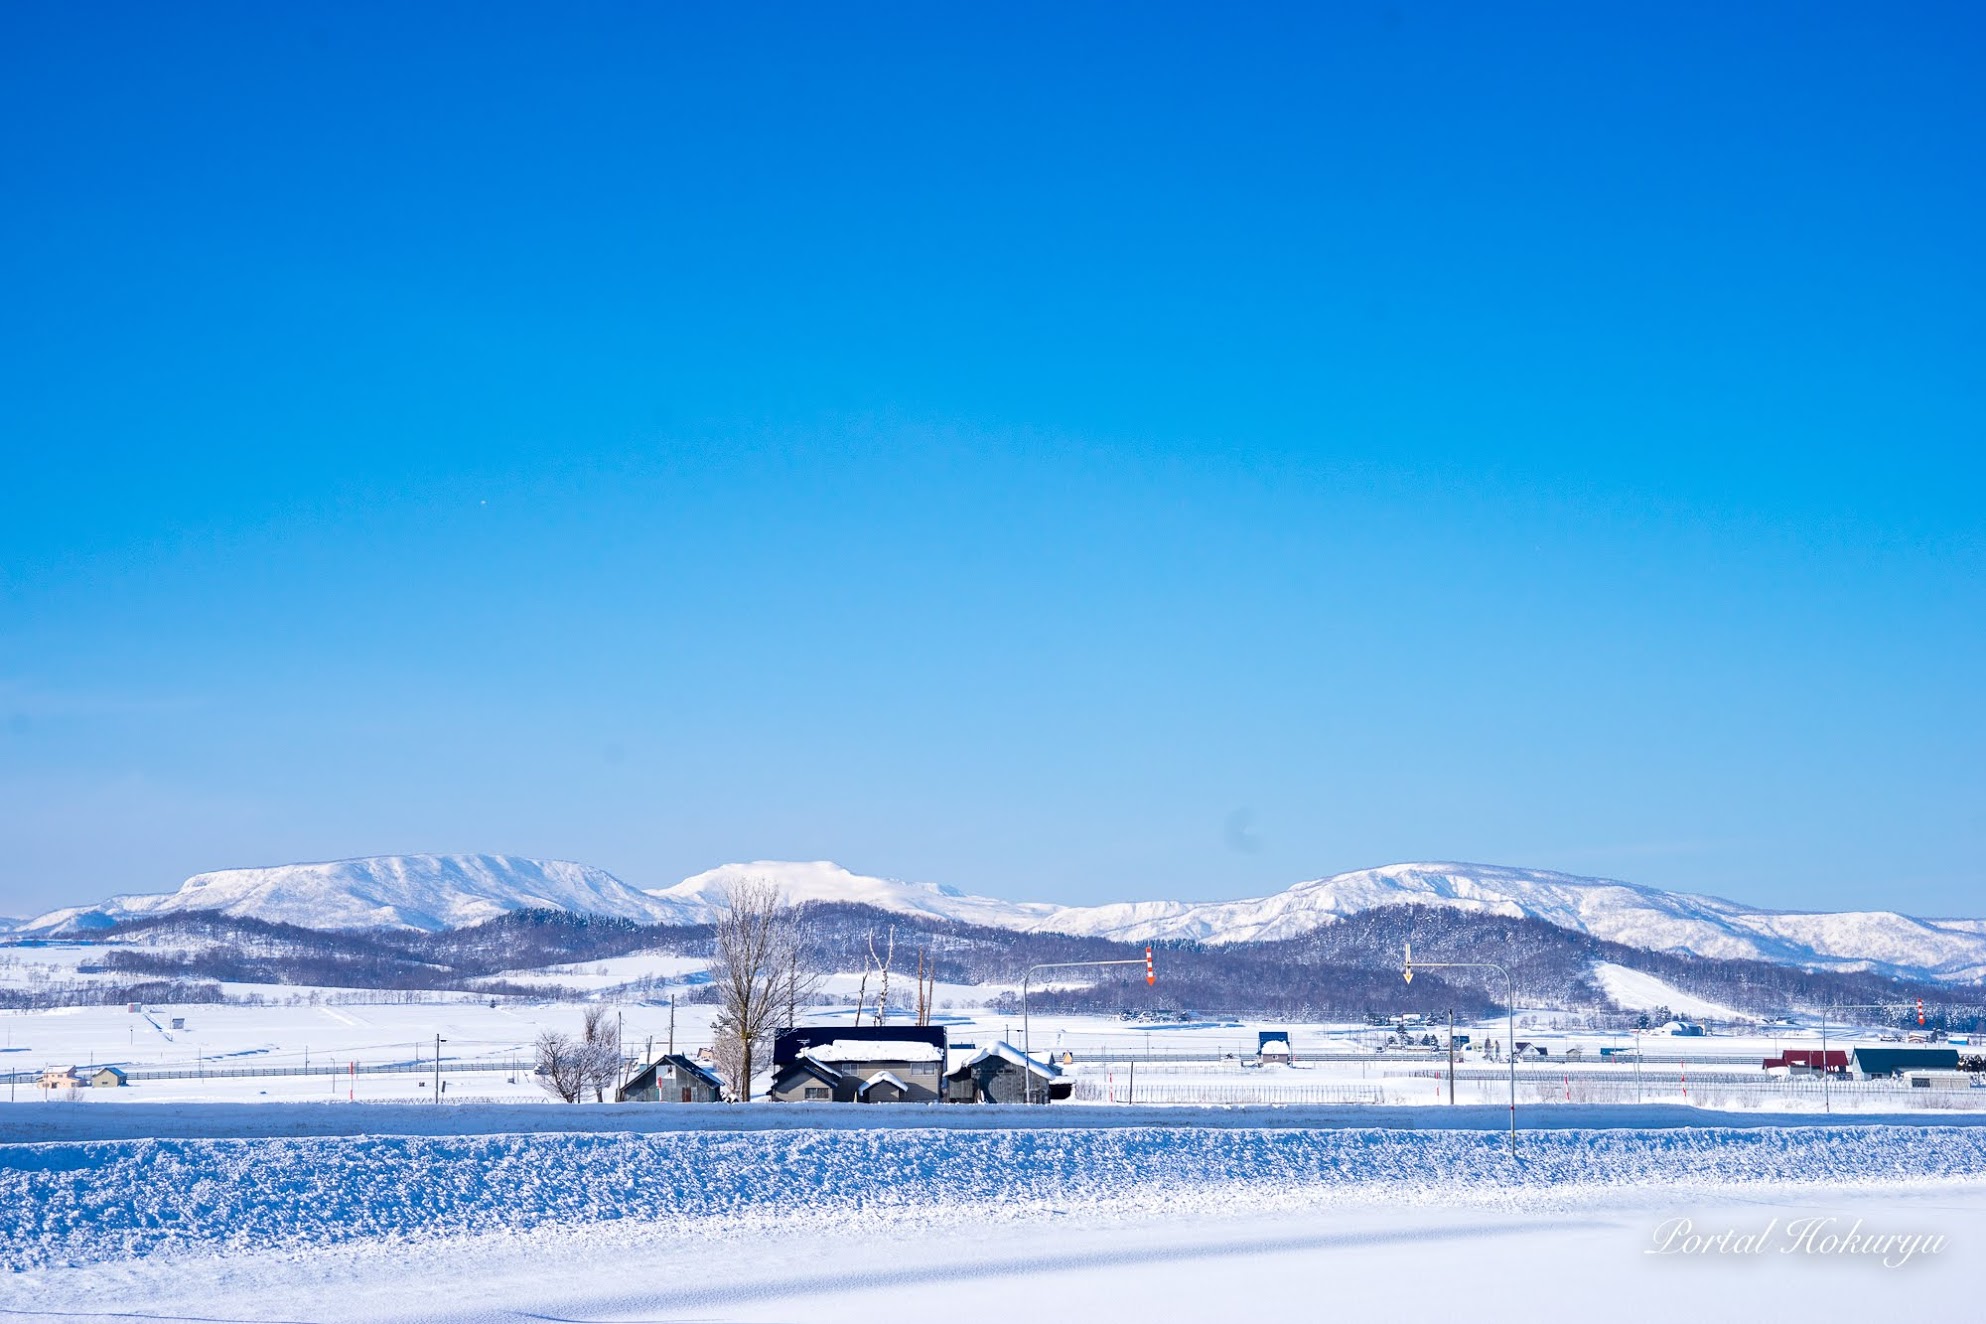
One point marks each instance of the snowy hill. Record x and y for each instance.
(388, 891)
(1626, 913)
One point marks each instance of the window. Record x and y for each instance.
(816, 1092)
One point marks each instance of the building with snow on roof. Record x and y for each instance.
(1004, 1074)
(673, 1078)
(870, 1064)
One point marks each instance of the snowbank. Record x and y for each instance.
(95, 1201)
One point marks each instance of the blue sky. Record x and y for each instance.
(1074, 453)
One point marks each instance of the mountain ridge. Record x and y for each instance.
(434, 892)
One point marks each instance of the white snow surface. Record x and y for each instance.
(80, 1202)
(1638, 990)
(876, 1050)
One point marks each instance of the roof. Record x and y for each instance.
(883, 1078)
(692, 1067)
(1808, 1057)
(790, 1043)
(1880, 1061)
(876, 1050)
(1014, 1057)
(807, 1066)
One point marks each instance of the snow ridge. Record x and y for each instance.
(120, 1200)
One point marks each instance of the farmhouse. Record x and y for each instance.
(62, 1078)
(1004, 1074)
(871, 1064)
(671, 1079)
(107, 1078)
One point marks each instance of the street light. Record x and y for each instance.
(1510, 1009)
(1827, 1096)
(1027, 1039)
(438, 1042)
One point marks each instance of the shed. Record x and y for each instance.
(1273, 1045)
(107, 1078)
(672, 1078)
(1004, 1074)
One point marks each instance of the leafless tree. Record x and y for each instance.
(762, 969)
(600, 1045)
(562, 1063)
(888, 958)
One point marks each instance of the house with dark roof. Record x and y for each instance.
(672, 1078)
(1876, 1063)
(872, 1063)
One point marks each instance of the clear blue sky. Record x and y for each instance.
(1077, 453)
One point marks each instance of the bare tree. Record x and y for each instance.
(889, 957)
(600, 1050)
(762, 968)
(562, 1063)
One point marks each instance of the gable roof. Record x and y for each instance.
(804, 1065)
(692, 1067)
(1012, 1056)
(882, 1078)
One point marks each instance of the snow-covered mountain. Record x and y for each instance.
(1626, 913)
(446, 891)
(387, 891)
(823, 880)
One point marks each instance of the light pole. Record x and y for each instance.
(1027, 1041)
(1509, 1007)
(438, 1042)
(1827, 1097)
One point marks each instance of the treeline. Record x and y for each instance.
(98, 993)
(213, 946)
(1343, 970)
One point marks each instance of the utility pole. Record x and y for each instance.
(672, 1025)
(1510, 1011)
(438, 1042)
(1451, 1057)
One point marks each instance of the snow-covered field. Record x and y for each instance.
(856, 1220)
(231, 1052)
